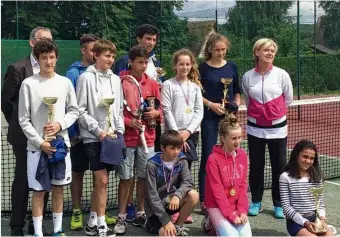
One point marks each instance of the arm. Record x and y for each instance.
(198, 112)
(236, 87)
(322, 208)
(287, 88)
(167, 106)
(72, 130)
(72, 111)
(186, 180)
(242, 202)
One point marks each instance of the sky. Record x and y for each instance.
(205, 10)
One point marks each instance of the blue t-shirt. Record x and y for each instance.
(213, 87)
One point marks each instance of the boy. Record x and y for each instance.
(33, 119)
(97, 83)
(138, 59)
(163, 171)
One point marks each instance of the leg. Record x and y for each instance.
(77, 188)
(244, 230)
(131, 189)
(257, 148)
(57, 207)
(305, 232)
(187, 205)
(123, 193)
(100, 189)
(37, 211)
(222, 226)
(158, 136)
(140, 194)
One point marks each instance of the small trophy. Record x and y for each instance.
(151, 102)
(320, 228)
(225, 82)
(107, 102)
(50, 101)
(160, 73)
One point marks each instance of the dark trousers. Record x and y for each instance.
(209, 132)
(277, 154)
(158, 136)
(20, 190)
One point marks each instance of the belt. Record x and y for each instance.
(279, 125)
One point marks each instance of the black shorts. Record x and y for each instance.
(293, 228)
(153, 224)
(93, 154)
(79, 159)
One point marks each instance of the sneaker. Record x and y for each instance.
(182, 231)
(332, 229)
(104, 231)
(255, 208)
(59, 233)
(30, 229)
(130, 212)
(189, 220)
(91, 231)
(174, 217)
(278, 213)
(77, 220)
(140, 220)
(120, 227)
(204, 209)
(110, 219)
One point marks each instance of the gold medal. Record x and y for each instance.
(232, 192)
(188, 110)
(168, 199)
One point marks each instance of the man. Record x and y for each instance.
(146, 36)
(14, 76)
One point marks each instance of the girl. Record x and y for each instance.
(212, 70)
(182, 103)
(226, 183)
(267, 91)
(302, 173)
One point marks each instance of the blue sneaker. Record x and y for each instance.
(255, 208)
(130, 212)
(278, 213)
(59, 233)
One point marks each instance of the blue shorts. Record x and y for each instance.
(293, 228)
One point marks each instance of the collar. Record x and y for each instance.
(258, 70)
(34, 62)
(143, 80)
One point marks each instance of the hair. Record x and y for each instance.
(86, 39)
(146, 29)
(194, 73)
(171, 138)
(138, 51)
(210, 44)
(45, 46)
(103, 45)
(263, 43)
(229, 122)
(36, 29)
(292, 168)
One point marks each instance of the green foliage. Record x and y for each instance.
(330, 23)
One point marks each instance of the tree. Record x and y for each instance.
(330, 24)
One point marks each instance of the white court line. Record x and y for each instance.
(330, 182)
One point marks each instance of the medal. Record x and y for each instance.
(168, 199)
(232, 192)
(188, 110)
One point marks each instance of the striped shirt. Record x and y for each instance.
(296, 200)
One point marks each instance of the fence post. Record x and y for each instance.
(314, 78)
(298, 55)
(17, 13)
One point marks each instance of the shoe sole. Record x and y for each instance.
(90, 233)
(261, 210)
(77, 228)
(136, 224)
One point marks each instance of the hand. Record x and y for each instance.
(170, 229)
(237, 221)
(185, 134)
(323, 222)
(310, 226)
(75, 140)
(185, 147)
(102, 135)
(151, 113)
(244, 218)
(47, 148)
(174, 203)
(216, 107)
(137, 124)
(52, 128)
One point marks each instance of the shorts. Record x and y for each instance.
(135, 154)
(293, 228)
(33, 158)
(153, 224)
(92, 151)
(80, 161)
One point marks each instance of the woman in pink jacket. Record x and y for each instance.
(226, 184)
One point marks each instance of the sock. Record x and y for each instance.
(37, 222)
(93, 220)
(140, 213)
(57, 221)
(101, 221)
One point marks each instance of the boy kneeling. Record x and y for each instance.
(163, 199)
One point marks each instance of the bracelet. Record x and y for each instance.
(208, 105)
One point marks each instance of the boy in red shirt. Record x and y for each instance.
(135, 155)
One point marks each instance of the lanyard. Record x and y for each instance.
(185, 97)
(231, 179)
(168, 185)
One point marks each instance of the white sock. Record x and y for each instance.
(93, 220)
(139, 213)
(37, 222)
(57, 221)
(123, 216)
(101, 221)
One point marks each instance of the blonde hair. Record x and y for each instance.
(193, 74)
(210, 44)
(229, 122)
(103, 45)
(263, 43)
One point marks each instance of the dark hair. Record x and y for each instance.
(171, 138)
(45, 46)
(89, 38)
(102, 45)
(138, 51)
(292, 168)
(146, 29)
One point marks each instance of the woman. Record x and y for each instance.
(212, 71)
(268, 91)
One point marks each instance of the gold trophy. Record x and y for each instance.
(320, 228)
(107, 102)
(225, 82)
(151, 102)
(160, 73)
(50, 101)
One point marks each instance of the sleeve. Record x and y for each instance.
(167, 107)
(24, 114)
(288, 210)
(245, 89)
(198, 112)
(86, 120)
(242, 202)
(72, 111)
(153, 195)
(214, 179)
(9, 91)
(72, 130)
(119, 122)
(236, 84)
(287, 89)
(186, 180)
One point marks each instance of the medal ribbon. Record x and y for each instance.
(231, 180)
(185, 97)
(168, 185)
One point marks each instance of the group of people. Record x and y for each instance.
(192, 103)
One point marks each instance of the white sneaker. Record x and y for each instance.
(120, 227)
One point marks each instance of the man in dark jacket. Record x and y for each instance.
(14, 76)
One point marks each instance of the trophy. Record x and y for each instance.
(107, 102)
(50, 101)
(160, 73)
(225, 82)
(320, 228)
(151, 103)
